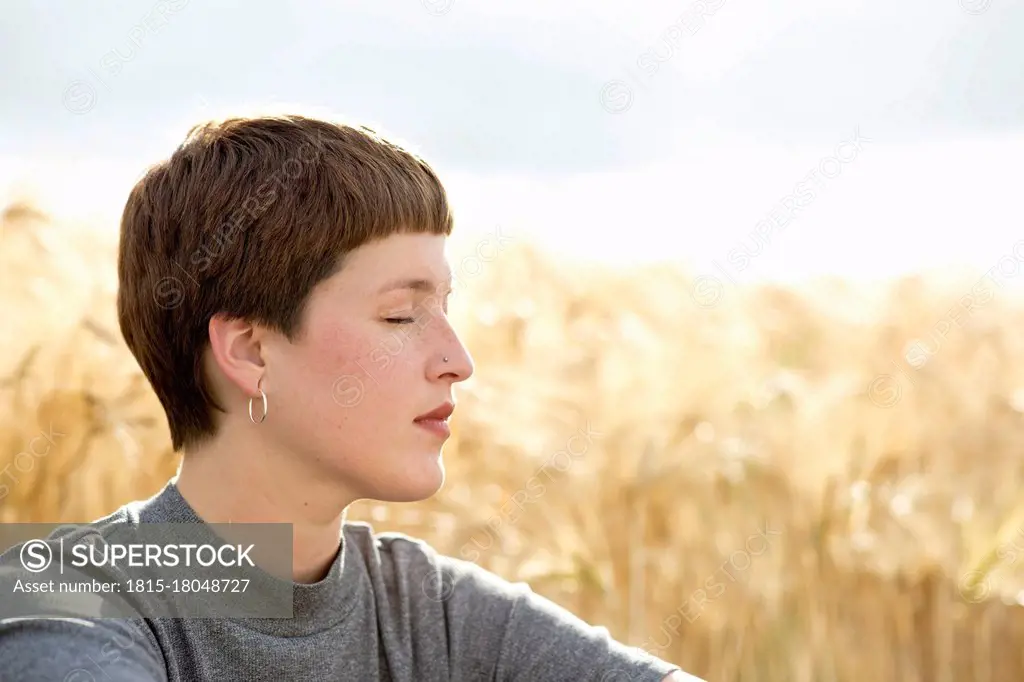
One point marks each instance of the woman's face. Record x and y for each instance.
(345, 395)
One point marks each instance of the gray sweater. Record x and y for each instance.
(368, 619)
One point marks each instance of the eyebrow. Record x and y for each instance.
(414, 284)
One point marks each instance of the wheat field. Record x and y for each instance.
(759, 489)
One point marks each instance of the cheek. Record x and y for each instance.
(327, 360)
(393, 354)
(361, 366)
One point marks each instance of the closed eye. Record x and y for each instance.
(399, 320)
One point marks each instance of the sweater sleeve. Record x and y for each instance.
(511, 634)
(38, 649)
(71, 637)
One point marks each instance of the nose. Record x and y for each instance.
(454, 362)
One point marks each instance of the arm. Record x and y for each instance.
(66, 638)
(516, 635)
(680, 676)
(79, 650)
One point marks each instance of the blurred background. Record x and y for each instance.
(740, 280)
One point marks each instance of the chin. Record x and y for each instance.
(414, 484)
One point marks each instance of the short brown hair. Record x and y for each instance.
(245, 218)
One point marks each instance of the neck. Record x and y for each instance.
(232, 480)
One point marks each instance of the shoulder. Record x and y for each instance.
(411, 561)
(31, 545)
(456, 609)
(35, 566)
(497, 628)
(28, 545)
(14, 536)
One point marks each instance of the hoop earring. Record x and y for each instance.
(264, 397)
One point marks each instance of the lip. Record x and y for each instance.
(437, 427)
(436, 421)
(441, 412)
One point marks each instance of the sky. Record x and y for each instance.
(609, 130)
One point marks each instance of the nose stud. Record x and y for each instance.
(446, 358)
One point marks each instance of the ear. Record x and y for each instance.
(235, 345)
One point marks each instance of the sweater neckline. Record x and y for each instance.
(316, 606)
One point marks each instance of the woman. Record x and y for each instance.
(283, 285)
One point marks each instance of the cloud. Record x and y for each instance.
(516, 86)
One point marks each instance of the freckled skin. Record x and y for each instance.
(346, 391)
